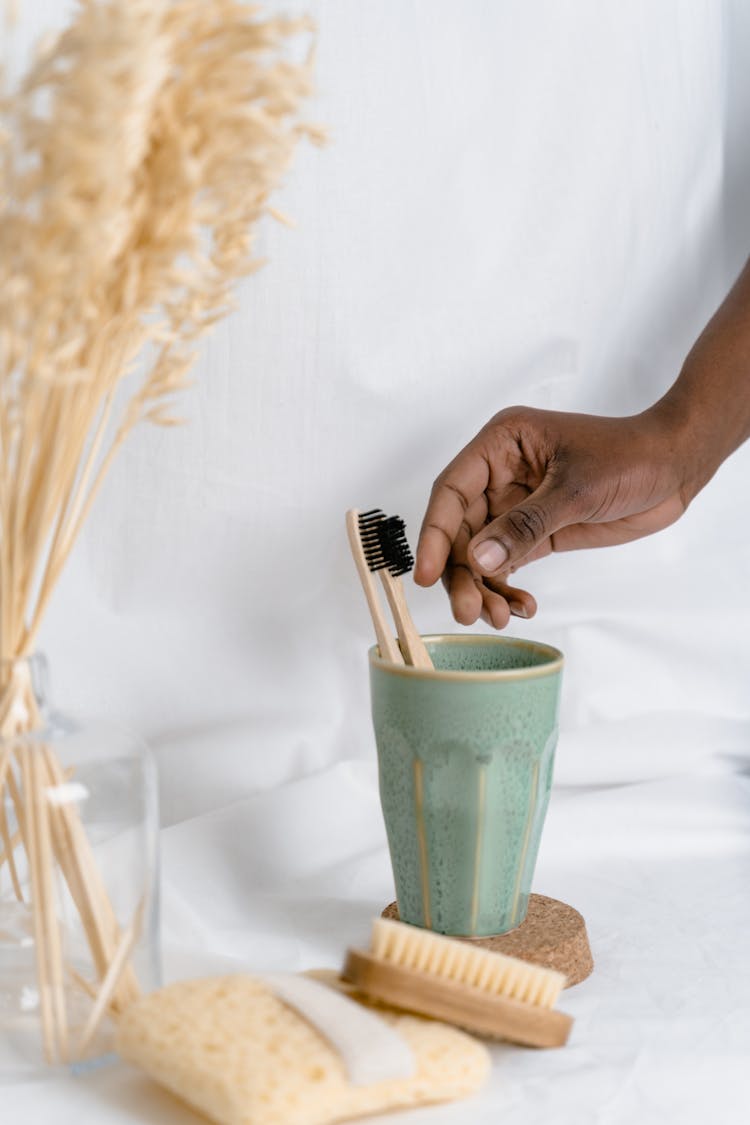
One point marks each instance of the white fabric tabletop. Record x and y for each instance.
(658, 866)
(522, 202)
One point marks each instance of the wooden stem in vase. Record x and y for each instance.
(39, 907)
(78, 865)
(10, 842)
(117, 966)
(53, 836)
(52, 938)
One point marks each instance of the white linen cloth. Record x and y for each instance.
(536, 203)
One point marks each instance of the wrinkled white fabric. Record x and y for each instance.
(522, 202)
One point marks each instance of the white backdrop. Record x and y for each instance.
(538, 203)
(520, 203)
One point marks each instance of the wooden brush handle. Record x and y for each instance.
(412, 645)
(389, 649)
(493, 1015)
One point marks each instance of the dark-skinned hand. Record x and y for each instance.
(536, 481)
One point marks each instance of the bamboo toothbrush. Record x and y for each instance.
(485, 992)
(379, 544)
(389, 649)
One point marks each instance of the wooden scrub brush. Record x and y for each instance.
(479, 990)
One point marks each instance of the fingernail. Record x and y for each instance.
(490, 555)
(518, 610)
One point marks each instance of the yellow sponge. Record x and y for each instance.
(236, 1052)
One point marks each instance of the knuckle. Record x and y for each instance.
(433, 526)
(510, 415)
(465, 531)
(458, 492)
(503, 429)
(528, 523)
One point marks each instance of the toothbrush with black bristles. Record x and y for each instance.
(379, 545)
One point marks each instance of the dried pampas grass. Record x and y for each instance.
(136, 157)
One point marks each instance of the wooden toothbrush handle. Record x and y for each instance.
(412, 645)
(387, 644)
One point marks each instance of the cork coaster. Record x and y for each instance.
(552, 934)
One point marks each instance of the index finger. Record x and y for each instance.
(453, 493)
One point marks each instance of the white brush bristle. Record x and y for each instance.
(493, 973)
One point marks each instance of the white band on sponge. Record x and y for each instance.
(369, 1048)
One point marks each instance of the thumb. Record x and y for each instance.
(506, 541)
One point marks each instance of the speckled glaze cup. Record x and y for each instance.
(465, 756)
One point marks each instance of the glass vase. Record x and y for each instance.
(78, 879)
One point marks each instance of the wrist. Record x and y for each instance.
(705, 415)
(675, 442)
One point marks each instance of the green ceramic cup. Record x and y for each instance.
(465, 755)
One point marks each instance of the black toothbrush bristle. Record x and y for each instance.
(369, 523)
(384, 542)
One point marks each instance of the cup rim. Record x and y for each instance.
(554, 660)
